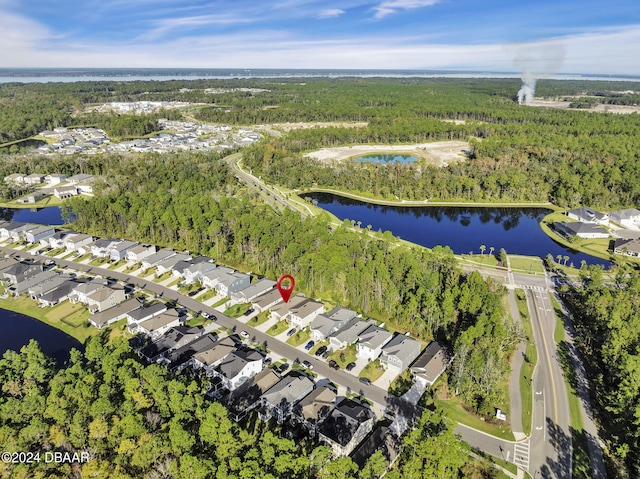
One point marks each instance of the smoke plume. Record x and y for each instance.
(537, 61)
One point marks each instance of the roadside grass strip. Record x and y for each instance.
(529, 363)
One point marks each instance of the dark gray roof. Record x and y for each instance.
(107, 315)
(186, 352)
(343, 422)
(349, 332)
(588, 214)
(290, 389)
(62, 291)
(432, 362)
(248, 393)
(175, 337)
(401, 346)
(380, 439)
(105, 242)
(374, 337)
(147, 311)
(235, 361)
(579, 227)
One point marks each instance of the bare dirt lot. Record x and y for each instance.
(564, 105)
(440, 153)
(319, 124)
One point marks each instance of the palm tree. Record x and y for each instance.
(559, 258)
(482, 248)
(491, 248)
(565, 258)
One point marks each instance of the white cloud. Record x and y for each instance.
(389, 7)
(330, 13)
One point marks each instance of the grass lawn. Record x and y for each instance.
(32, 246)
(259, 319)
(56, 252)
(118, 264)
(119, 329)
(147, 272)
(237, 310)
(198, 321)
(68, 256)
(208, 294)
(530, 264)
(174, 283)
(131, 268)
(595, 246)
(299, 338)
(218, 303)
(277, 328)
(486, 258)
(162, 277)
(83, 257)
(344, 356)
(453, 409)
(97, 261)
(529, 364)
(70, 318)
(318, 346)
(47, 201)
(372, 371)
(401, 384)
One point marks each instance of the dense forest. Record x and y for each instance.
(608, 324)
(136, 421)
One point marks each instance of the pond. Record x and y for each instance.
(463, 229)
(18, 329)
(51, 215)
(384, 159)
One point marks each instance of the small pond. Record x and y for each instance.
(385, 159)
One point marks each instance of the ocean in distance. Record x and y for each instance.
(66, 75)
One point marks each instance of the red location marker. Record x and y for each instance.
(285, 292)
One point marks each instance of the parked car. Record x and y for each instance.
(249, 311)
(244, 334)
(206, 315)
(291, 332)
(267, 361)
(307, 364)
(325, 355)
(321, 350)
(309, 345)
(283, 367)
(213, 317)
(192, 293)
(350, 366)
(49, 262)
(365, 381)
(334, 365)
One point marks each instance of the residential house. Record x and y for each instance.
(251, 292)
(208, 359)
(140, 252)
(41, 283)
(582, 230)
(20, 271)
(324, 325)
(346, 426)
(628, 247)
(182, 357)
(6, 263)
(400, 352)
(174, 338)
(55, 179)
(267, 301)
(629, 218)
(210, 279)
(78, 242)
(431, 363)
(82, 291)
(315, 406)
(302, 316)
(371, 341)
(282, 310)
(278, 401)
(349, 333)
(247, 396)
(381, 439)
(33, 179)
(85, 188)
(231, 282)
(31, 197)
(237, 367)
(65, 192)
(119, 251)
(104, 297)
(38, 233)
(58, 294)
(81, 178)
(15, 178)
(8, 227)
(26, 283)
(144, 313)
(155, 258)
(109, 316)
(196, 270)
(56, 240)
(17, 234)
(168, 264)
(158, 325)
(102, 246)
(588, 215)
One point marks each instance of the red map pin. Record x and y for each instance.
(285, 292)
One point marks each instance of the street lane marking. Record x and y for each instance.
(546, 351)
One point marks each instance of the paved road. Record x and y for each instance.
(551, 441)
(514, 379)
(278, 349)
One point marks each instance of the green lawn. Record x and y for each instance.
(198, 321)
(147, 272)
(318, 346)
(486, 258)
(131, 268)
(174, 283)
(277, 328)
(299, 338)
(70, 318)
(558, 332)
(529, 364)
(237, 310)
(83, 257)
(529, 264)
(118, 264)
(162, 277)
(344, 356)
(56, 252)
(68, 256)
(372, 371)
(97, 261)
(453, 409)
(259, 319)
(401, 384)
(218, 303)
(208, 294)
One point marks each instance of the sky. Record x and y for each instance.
(542, 37)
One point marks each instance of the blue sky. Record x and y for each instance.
(545, 36)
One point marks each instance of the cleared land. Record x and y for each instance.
(563, 104)
(440, 153)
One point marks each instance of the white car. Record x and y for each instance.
(244, 334)
(307, 364)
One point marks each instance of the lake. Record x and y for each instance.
(51, 215)
(384, 159)
(18, 330)
(463, 229)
